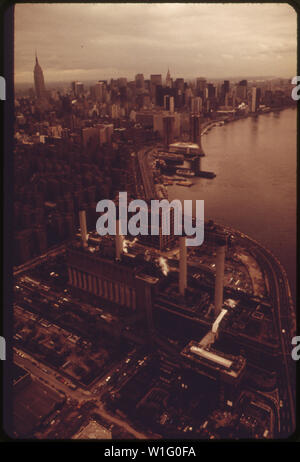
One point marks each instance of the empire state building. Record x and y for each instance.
(39, 83)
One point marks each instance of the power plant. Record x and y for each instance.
(110, 249)
(158, 296)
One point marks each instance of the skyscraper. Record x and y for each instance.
(224, 91)
(255, 98)
(79, 88)
(155, 80)
(168, 130)
(99, 91)
(169, 103)
(196, 105)
(139, 80)
(39, 83)
(241, 90)
(200, 87)
(211, 90)
(195, 129)
(168, 80)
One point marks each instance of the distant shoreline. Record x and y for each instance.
(214, 123)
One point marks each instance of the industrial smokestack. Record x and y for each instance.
(118, 242)
(83, 229)
(182, 266)
(219, 281)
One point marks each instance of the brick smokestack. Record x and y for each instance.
(83, 229)
(219, 281)
(118, 242)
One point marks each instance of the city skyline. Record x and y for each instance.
(246, 44)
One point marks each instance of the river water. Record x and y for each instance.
(255, 187)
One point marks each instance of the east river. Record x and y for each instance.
(255, 160)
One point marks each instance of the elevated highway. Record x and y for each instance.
(282, 308)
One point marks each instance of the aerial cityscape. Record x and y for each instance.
(143, 337)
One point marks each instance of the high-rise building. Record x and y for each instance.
(241, 90)
(73, 87)
(201, 87)
(211, 89)
(139, 80)
(169, 103)
(168, 80)
(196, 105)
(99, 91)
(258, 97)
(39, 83)
(224, 92)
(168, 130)
(188, 94)
(155, 81)
(195, 128)
(115, 111)
(79, 88)
(255, 98)
(122, 82)
(161, 92)
(226, 86)
(179, 84)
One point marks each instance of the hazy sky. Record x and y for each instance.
(95, 41)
